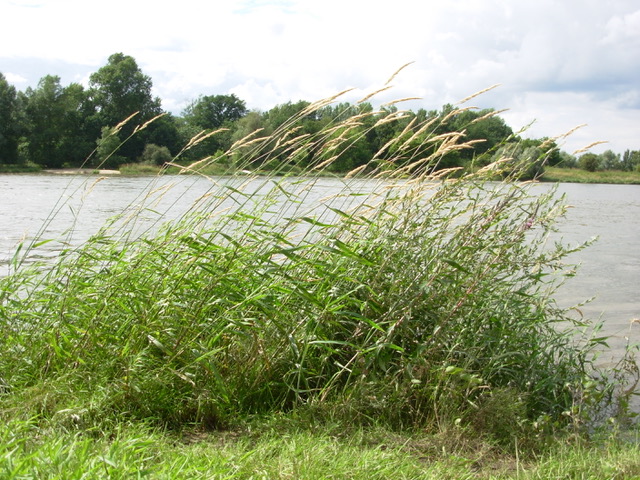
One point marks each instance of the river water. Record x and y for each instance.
(73, 208)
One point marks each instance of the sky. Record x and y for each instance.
(558, 64)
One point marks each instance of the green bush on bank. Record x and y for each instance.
(425, 303)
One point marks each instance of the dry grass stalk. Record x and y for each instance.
(244, 141)
(391, 117)
(202, 136)
(456, 111)
(117, 128)
(373, 94)
(419, 132)
(385, 147)
(356, 171)
(466, 99)
(148, 122)
(570, 132)
(493, 113)
(325, 163)
(395, 74)
(323, 103)
(405, 99)
(589, 147)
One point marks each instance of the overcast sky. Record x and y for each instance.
(560, 63)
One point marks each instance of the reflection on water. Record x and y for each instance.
(69, 210)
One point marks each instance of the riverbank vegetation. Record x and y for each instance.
(575, 175)
(409, 326)
(54, 126)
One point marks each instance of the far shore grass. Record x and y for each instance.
(551, 174)
(575, 175)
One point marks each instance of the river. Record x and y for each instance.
(73, 208)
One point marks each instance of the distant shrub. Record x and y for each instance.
(589, 162)
(155, 155)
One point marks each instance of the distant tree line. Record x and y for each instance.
(56, 126)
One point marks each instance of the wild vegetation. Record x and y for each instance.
(55, 126)
(424, 304)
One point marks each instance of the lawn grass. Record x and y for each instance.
(282, 448)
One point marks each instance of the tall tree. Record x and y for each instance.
(485, 126)
(208, 113)
(9, 124)
(630, 160)
(214, 111)
(610, 160)
(55, 124)
(119, 90)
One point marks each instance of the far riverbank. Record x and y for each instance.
(575, 175)
(551, 174)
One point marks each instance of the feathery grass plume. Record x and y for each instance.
(412, 297)
(317, 105)
(397, 72)
(119, 126)
(589, 147)
(454, 112)
(477, 94)
(493, 113)
(148, 122)
(374, 93)
(400, 100)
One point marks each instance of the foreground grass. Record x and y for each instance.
(574, 175)
(275, 449)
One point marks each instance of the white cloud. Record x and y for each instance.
(14, 78)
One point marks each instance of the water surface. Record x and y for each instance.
(71, 209)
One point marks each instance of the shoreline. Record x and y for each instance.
(81, 171)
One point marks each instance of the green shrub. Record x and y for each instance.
(155, 155)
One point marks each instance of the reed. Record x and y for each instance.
(414, 297)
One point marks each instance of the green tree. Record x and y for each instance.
(248, 124)
(119, 90)
(610, 160)
(55, 121)
(525, 157)
(9, 123)
(214, 111)
(164, 132)
(484, 129)
(589, 162)
(249, 127)
(567, 160)
(109, 148)
(209, 113)
(286, 119)
(630, 160)
(484, 126)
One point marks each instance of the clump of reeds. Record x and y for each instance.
(414, 296)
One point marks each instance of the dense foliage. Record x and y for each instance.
(55, 126)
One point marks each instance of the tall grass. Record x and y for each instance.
(414, 297)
